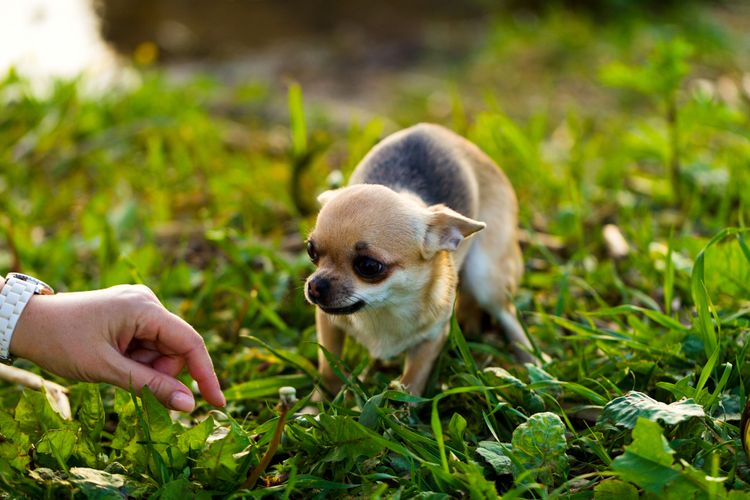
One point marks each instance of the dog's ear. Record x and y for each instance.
(327, 196)
(446, 229)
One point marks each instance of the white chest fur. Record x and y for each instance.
(388, 333)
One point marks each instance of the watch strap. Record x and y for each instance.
(14, 296)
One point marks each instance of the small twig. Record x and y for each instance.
(287, 398)
(57, 393)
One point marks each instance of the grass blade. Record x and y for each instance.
(297, 120)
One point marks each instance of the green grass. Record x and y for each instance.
(161, 184)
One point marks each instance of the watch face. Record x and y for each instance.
(42, 288)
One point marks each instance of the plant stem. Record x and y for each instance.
(286, 401)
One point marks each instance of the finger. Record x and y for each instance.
(142, 344)
(168, 390)
(169, 365)
(173, 335)
(144, 356)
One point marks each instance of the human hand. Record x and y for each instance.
(121, 335)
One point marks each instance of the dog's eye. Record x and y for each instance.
(312, 252)
(368, 268)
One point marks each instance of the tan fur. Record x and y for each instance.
(409, 309)
(331, 338)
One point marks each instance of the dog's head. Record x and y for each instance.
(373, 246)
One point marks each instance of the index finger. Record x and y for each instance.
(171, 333)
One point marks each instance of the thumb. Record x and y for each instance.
(168, 390)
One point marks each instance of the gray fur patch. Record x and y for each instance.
(418, 163)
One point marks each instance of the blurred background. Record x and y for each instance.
(363, 58)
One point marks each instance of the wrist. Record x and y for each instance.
(16, 294)
(28, 328)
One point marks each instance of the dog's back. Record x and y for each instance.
(425, 161)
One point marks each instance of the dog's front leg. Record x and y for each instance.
(331, 338)
(420, 359)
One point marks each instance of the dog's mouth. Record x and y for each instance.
(352, 308)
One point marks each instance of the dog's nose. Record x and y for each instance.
(318, 288)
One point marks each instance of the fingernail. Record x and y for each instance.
(223, 401)
(181, 401)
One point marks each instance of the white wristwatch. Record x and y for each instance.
(14, 296)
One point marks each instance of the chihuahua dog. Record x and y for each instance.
(424, 211)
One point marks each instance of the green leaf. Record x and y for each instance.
(91, 412)
(346, 440)
(91, 416)
(707, 370)
(259, 388)
(219, 463)
(647, 461)
(695, 481)
(151, 447)
(504, 376)
(14, 443)
(99, 485)
(537, 374)
(177, 489)
(195, 438)
(161, 428)
(497, 455)
(743, 246)
(472, 480)
(700, 293)
(626, 410)
(539, 445)
(711, 400)
(35, 415)
(514, 390)
(458, 341)
(127, 426)
(612, 489)
(700, 297)
(369, 416)
(457, 427)
(58, 444)
(436, 425)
